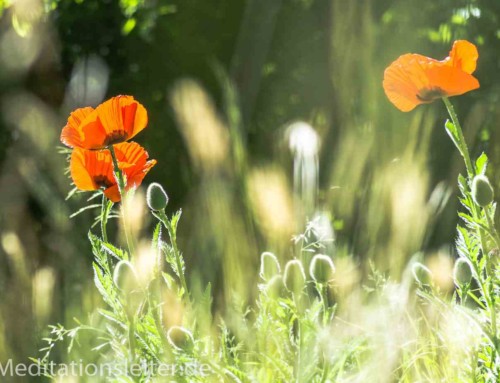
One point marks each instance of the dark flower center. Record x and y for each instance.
(103, 181)
(428, 95)
(116, 137)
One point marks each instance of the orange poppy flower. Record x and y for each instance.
(414, 79)
(93, 169)
(116, 120)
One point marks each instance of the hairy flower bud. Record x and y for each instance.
(180, 338)
(156, 197)
(321, 268)
(124, 276)
(422, 274)
(269, 266)
(482, 192)
(294, 277)
(275, 287)
(462, 272)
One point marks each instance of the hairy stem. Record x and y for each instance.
(476, 213)
(464, 150)
(121, 187)
(173, 240)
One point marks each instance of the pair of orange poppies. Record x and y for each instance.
(414, 79)
(409, 81)
(90, 132)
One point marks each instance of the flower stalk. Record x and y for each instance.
(160, 214)
(461, 143)
(120, 179)
(487, 288)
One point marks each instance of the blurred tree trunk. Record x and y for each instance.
(252, 48)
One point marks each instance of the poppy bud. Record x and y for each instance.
(321, 268)
(180, 338)
(269, 266)
(124, 276)
(462, 272)
(156, 197)
(295, 277)
(422, 274)
(482, 192)
(275, 287)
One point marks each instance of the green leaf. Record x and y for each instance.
(128, 26)
(94, 206)
(169, 281)
(119, 254)
(171, 259)
(175, 220)
(104, 284)
(453, 133)
(111, 316)
(481, 163)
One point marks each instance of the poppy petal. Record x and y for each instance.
(113, 193)
(135, 177)
(414, 79)
(116, 120)
(71, 135)
(134, 116)
(79, 172)
(451, 81)
(122, 118)
(132, 159)
(93, 132)
(91, 169)
(131, 153)
(404, 78)
(464, 55)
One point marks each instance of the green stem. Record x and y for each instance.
(121, 188)
(492, 229)
(322, 290)
(119, 175)
(105, 209)
(476, 213)
(464, 150)
(131, 337)
(173, 240)
(298, 304)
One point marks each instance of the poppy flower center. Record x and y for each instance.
(103, 181)
(116, 137)
(428, 95)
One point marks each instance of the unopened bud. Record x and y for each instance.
(180, 338)
(482, 192)
(156, 197)
(321, 268)
(275, 287)
(422, 274)
(462, 272)
(269, 266)
(295, 277)
(124, 276)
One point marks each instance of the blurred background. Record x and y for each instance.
(264, 115)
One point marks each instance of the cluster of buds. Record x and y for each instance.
(321, 271)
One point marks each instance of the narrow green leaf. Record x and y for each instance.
(175, 220)
(453, 133)
(481, 163)
(93, 206)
